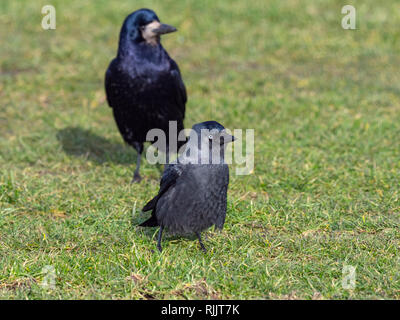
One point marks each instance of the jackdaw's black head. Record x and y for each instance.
(212, 132)
(144, 26)
(207, 143)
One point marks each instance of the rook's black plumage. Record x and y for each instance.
(143, 84)
(193, 190)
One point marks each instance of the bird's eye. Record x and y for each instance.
(210, 137)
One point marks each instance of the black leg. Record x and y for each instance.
(167, 155)
(159, 239)
(166, 158)
(139, 149)
(201, 242)
(136, 175)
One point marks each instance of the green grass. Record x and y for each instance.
(325, 106)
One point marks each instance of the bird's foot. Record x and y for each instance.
(136, 178)
(159, 247)
(203, 248)
(201, 242)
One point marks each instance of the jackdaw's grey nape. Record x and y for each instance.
(193, 189)
(143, 84)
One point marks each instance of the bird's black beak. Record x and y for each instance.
(163, 29)
(226, 138)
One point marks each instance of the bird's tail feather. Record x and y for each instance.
(150, 205)
(151, 222)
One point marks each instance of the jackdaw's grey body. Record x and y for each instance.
(193, 190)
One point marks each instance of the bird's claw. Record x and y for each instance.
(203, 248)
(136, 178)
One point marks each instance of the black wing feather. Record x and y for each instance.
(108, 83)
(171, 174)
(181, 94)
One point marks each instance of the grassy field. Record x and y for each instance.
(325, 106)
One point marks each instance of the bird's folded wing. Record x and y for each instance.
(108, 84)
(169, 178)
(181, 94)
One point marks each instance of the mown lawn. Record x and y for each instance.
(324, 194)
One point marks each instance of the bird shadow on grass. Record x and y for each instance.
(79, 142)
